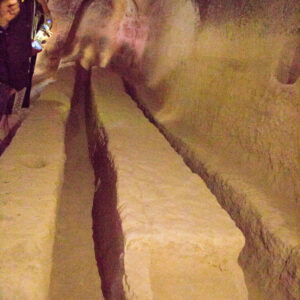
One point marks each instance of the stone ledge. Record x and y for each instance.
(271, 226)
(31, 172)
(164, 209)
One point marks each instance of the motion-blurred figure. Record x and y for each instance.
(97, 33)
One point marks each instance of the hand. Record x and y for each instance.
(48, 20)
(12, 91)
(35, 51)
(44, 6)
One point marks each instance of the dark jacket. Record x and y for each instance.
(15, 48)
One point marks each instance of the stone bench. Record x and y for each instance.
(177, 241)
(31, 174)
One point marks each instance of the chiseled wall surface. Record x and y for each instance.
(230, 85)
(227, 79)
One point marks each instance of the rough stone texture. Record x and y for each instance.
(178, 242)
(231, 88)
(228, 71)
(227, 95)
(238, 74)
(74, 270)
(31, 172)
(46, 249)
(84, 31)
(269, 222)
(235, 97)
(270, 257)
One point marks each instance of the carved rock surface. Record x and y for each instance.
(177, 240)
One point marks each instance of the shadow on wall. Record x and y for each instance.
(69, 42)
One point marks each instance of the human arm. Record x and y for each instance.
(6, 89)
(47, 14)
(45, 7)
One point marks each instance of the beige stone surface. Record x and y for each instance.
(46, 248)
(242, 136)
(172, 224)
(74, 272)
(226, 93)
(231, 108)
(270, 258)
(31, 171)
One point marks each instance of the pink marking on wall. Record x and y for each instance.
(134, 31)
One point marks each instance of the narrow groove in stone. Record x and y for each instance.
(107, 232)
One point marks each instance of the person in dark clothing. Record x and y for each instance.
(16, 21)
(15, 49)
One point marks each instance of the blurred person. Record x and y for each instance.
(16, 51)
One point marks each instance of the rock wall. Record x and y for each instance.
(226, 71)
(228, 100)
(231, 85)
